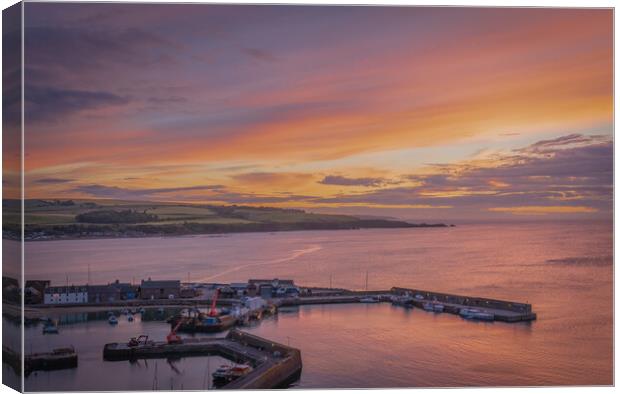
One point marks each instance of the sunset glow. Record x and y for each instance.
(416, 113)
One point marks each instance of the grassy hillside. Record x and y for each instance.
(54, 219)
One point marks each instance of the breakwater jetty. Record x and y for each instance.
(506, 311)
(492, 309)
(274, 365)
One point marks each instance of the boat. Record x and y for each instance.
(369, 300)
(405, 301)
(225, 373)
(428, 306)
(112, 320)
(142, 310)
(204, 323)
(110, 313)
(130, 317)
(125, 311)
(476, 314)
(50, 328)
(438, 307)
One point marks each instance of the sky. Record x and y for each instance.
(419, 113)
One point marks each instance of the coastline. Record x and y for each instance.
(215, 234)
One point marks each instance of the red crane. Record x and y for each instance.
(213, 311)
(173, 337)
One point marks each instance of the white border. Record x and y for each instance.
(476, 3)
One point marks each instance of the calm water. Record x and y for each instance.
(564, 270)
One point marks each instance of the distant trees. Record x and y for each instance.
(112, 216)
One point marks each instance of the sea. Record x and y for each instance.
(565, 270)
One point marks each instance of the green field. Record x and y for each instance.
(57, 212)
(57, 219)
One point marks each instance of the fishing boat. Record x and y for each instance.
(113, 320)
(476, 314)
(369, 300)
(203, 323)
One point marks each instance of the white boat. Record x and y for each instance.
(438, 307)
(419, 297)
(369, 300)
(225, 373)
(130, 317)
(428, 306)
(112, 320)
(477, 314)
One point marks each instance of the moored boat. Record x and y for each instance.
(112, 320)
(369, 300)
(477, 314)
(204, 323)
(226, 374)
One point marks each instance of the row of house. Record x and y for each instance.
(264, 288)
(116, 291)
(41, 292)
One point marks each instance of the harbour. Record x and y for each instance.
(391, 332)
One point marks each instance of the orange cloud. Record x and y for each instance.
(543, 210)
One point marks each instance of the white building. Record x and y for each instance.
(66, 295)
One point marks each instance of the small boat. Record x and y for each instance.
(225, 374)
(50, 328)
(113, 320)
(438, 307)
(419, 297)
(477, 314)
(369, 300)
(405, 301)
(142, 310)
(220, 376)
(428, 306)
(130, 317)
